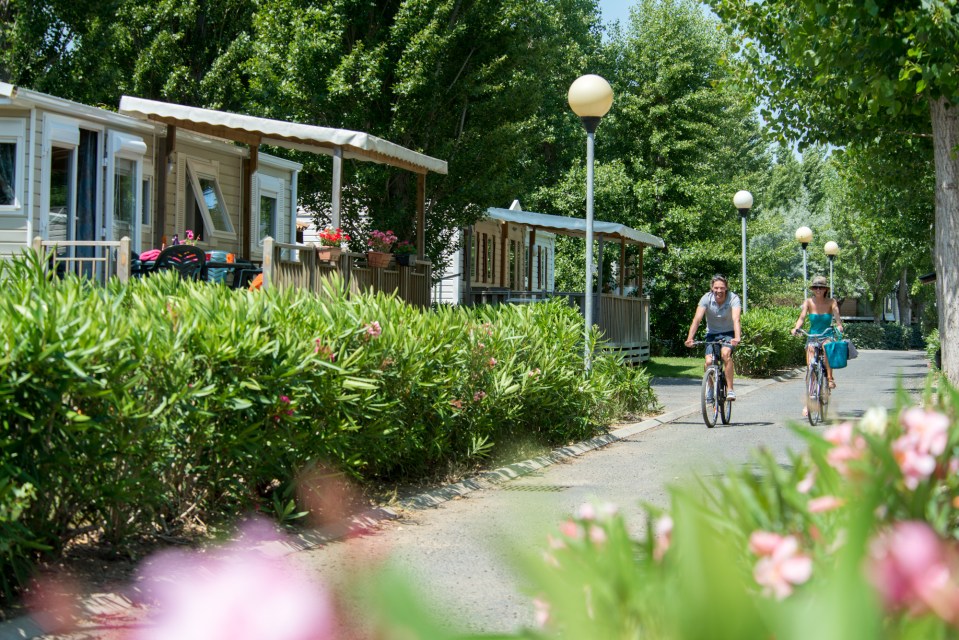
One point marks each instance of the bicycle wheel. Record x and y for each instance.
(812, 395)
(725, 406)
(823, 392)
(710, 411)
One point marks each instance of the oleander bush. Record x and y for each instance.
(932, 347)
(133, 409)
(767, 346)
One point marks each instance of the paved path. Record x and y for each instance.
(457, 553)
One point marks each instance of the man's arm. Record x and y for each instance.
(700, 312)
(737, 326)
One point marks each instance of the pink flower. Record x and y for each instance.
(456, 404)
(824, 503)
(805, 485)
(285, 399)
(764, 543)
(492, 362)
(479, 395)
(586, 511)
(663, 532)
(541, 615)
(373, 329)
(597, 535)
(236, 592)
(915, 465)
(847, 447)
(571, 530)
(915, 570)
(784, 568)
(929, 428)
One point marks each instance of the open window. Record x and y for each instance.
(12, 147)
(206, 212)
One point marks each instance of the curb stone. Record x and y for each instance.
(113, 604)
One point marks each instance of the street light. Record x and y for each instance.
(743, 200)
(832, 250)
(590, 97)
(804, 237)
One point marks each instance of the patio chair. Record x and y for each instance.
(187, 260)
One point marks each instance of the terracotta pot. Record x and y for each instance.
(405, 259)
(378, 259)
(328, 254)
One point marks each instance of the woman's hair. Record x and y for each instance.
(719, 277)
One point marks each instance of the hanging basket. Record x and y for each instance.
(378, 259)
(328, 254)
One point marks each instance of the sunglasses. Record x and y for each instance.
(818, 287)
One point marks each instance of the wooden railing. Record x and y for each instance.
(97, 259)
(296, 265)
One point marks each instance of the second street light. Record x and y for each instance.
(743, 200)
(804, 237)
(590, 97)
(832, 250)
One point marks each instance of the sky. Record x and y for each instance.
(615, 10)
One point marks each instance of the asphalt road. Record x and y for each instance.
(457, 554)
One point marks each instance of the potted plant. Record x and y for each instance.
(405, 253)
(330, 246)
(380, 243)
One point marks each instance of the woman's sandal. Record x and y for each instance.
(832, 383)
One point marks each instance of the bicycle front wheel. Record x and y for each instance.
(813, 408)
(708, 397)
(725, 406)
(823, 392)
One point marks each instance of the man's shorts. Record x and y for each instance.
(715, 348)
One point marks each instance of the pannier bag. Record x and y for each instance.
(853, 351)
(837, 352)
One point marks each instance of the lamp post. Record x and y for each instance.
(590, 97)
(832, 250)
(743, 200)
(804, 237)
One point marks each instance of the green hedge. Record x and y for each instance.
(887, 335)
(135, 408)
(767, 345)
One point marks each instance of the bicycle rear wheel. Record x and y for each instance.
(823, 392)
(708, 398)
(813, 408)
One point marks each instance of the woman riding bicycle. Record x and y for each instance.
(822, 310)
(722, 310)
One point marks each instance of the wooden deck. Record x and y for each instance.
(296, 265)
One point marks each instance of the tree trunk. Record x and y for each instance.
(902, 299)
(945, 132)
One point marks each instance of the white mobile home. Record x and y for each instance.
(71, 172)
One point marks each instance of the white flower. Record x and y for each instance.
(874, 421)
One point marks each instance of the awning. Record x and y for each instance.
(576, 226)
(291, 135)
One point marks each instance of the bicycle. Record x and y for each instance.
(817, 378)
(715, 405)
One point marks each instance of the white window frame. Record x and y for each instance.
(198, 168)
(64, 133)
(14, 130)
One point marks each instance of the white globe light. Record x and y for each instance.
(831, 248)
(804, 235)
(590, 96)
(743, 200)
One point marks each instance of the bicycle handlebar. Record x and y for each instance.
(820, 337)
(724, 342)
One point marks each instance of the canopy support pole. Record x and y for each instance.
(337, 195)
(421, 215)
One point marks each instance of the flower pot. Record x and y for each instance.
(328, 254)
(378, 259)
(405, 259)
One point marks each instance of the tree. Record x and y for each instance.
(679, 141)
(848, 70)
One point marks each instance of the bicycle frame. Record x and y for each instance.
(715, 405)
(817, 386)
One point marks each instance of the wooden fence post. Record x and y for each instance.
(123, 260)
(267, 261)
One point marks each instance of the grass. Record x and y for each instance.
(675, 367)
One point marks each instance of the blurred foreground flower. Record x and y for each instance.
(236, 592)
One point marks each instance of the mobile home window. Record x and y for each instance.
(207, 198)
(11, 163)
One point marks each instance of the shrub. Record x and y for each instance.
(866, 335)
(135, 408)
(932, 348)
(767, 345)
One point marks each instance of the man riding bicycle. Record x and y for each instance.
(722, 310)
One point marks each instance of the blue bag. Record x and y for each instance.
(837, 352)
